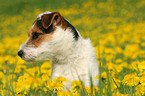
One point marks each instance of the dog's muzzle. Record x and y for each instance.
(21, 53)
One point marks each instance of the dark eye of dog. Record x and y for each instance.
(35, 35)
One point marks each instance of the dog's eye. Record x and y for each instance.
(35, 35)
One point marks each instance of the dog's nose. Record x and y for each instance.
(20, 53)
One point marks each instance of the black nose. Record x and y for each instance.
(20, 53)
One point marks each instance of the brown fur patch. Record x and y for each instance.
(63, 24)
(41, 38)
(40, 26)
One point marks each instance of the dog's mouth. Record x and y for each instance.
(26, 57)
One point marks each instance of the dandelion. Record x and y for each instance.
(115, 84)
(57, 86)
(119, 41)
(19, 61)
(46, 65)
(131, 79)
(1, 75)
(138, 66)
(119, 94)
(92, 91)
(64, 93)
(143, 44)
(45, 78)
(140, 90)
(142, 80)
(104, 75)
(118, 49)
(28, 82)
(117, 68)
(60, 79)
(76, 85)
(131, 51)
(25, 87)
(118, 61)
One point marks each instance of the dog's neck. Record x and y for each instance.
(72, 58)
(67, 48)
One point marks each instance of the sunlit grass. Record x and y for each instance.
(115, 27)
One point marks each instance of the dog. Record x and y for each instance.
(52, 37)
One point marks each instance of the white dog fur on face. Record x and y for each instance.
(52, 37)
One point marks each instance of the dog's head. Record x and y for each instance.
(48, 35)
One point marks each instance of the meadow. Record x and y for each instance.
(115, 27)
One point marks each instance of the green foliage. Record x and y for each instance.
(115, 27)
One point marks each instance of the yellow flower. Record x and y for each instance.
(125, 65)
(19, 60)
(142, 80)
(109, 51)
(114, 67)
(141, 54)
(119, 94)
(45, 77)
(4, 92)
(143, 44)
(138, 65)
(25, 86)
(46, 65)
(60, 79)
(111, 34)
(118, 49)
(26, 82)
(140, 90)
(101, 5)
(19, 68)
(1, 75)
(109, 57)
(88, 90)
(131, 51)
(55, 86)
(118, 61)
(131, 79)
(76, 85)
(104, 75)
(12, 60)
(2, 50)
(141, 66)
(64, 93)
(1, 60)
(115, 84)
(33, 71)
(97, 77)
(7, 57)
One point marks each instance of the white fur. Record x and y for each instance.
(76, 59)
(72, 59)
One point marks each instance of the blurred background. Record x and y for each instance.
(115, 27)
(93, 18)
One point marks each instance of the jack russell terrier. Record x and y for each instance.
(52, 37)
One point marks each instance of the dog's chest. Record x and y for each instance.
(69, 71)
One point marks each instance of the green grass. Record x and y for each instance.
(20, 15)
(16, 7)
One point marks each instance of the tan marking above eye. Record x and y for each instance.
(41, 38)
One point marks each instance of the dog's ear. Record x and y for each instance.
(49, 19)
